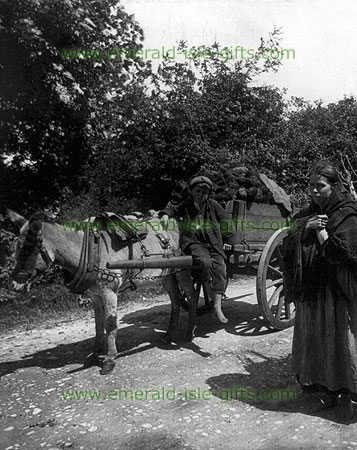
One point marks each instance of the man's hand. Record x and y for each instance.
(164, 221)
(227, 247)
(317, 222)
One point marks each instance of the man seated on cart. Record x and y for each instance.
(204, 227)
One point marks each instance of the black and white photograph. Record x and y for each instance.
(178, 224)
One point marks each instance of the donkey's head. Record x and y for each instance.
(31, 257)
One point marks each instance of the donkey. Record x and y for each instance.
(41, 243)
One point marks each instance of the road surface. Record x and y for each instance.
(232, 388)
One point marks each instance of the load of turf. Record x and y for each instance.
(240, 183)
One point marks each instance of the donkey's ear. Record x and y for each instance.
(16, 219)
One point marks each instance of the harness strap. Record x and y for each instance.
(90, 257)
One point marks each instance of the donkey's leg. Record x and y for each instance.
(185, 280)
(99, 345)
(110, 321)
(170, 284)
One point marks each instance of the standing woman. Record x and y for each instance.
(321, 277)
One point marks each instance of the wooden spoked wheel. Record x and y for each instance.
(270, 286)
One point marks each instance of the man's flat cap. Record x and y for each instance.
(201, 181)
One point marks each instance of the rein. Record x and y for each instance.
(32, 241)
(43, 251)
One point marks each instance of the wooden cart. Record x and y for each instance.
(261, 229)
(259, 232)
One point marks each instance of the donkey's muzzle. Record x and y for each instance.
(19, 277)
(22, 277)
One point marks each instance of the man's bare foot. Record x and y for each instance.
(345, 407)
(217, 311)
(218, 314)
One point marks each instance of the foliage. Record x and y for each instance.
(202, 113)
(88, 136)
(50, 107)
(7, 239)
(312, 131)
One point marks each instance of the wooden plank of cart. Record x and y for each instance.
(261, 229)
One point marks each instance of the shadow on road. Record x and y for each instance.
(270, 385)
(145, 330)
(245, 319)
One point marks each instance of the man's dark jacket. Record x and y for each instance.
(217, 224)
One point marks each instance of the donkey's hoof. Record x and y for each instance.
(171, 336)
(92, 360)
(164, 337)
(108, 367)
(190, 335)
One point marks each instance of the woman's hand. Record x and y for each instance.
(317, 222)
(322, 235)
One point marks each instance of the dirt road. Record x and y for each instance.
(232, 388)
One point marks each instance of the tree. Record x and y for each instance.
(50, 107)
(195, 114)
(312, 131)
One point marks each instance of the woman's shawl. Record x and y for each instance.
(305, 258)
(341, 246)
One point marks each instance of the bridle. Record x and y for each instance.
(33, 240)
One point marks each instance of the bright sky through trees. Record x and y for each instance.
(322, 32)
